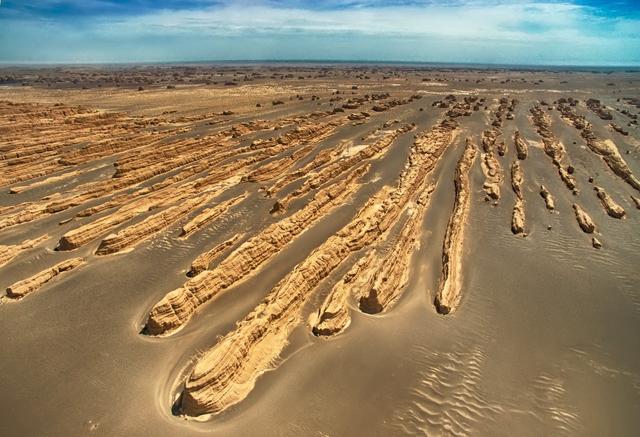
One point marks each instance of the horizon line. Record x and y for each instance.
(481, 65)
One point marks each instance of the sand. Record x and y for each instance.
(313, 250)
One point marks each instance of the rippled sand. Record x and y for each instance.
(542, 342)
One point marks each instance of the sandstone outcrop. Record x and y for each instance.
(552, 146)
(606, 149)
(225, 374)
(27, 286)
(136, 233)
(336, 168)
(449, 291)
(177, 307)
(549, 202)
(610, 205)
(9, 252)
(333, 315)
(491, 166)
(210, 214)
(376, 280)
(518, 215)
(522, 150)
(584, 220)
(201, 263)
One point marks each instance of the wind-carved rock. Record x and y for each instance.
(449, 291)
(518, 216)
(202, 261)
(177, 307)
(27, 286)
(9, 252)
(209, 215)
(225, 374)
(338, 167)
(552, 147)
(584, 220)
(491, 166)
(549, 202)
(606, 149)
(522, 149)
(609, 205)
(376, 281)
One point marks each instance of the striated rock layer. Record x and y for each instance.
(450, 284)
(9, 252)
(201, 263)
(178, 306)
(338, 167)
(606, 149)
(490, 165)
(376, 280)
(609, 205)
(584, 220)
(553, 147)
(549, 202)
(27, 286)
(522, 150)
(518, 216)
(210, 214)
(226, 373)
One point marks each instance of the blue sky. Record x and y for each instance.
(558, 32)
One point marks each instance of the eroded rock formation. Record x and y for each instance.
(610, 205)
(491, 166)
(522, 149)
(27, 286)
(201, 263)
(210, 214)
(518, 216)
(336, 168)
(552, 146)
(548, 198)
(9, 252)
(606, 149)
(226, 373)
(178, 306)
(584, 220)
(449, 291)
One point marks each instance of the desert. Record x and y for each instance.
(256, 248)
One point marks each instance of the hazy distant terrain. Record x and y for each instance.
(319, 249)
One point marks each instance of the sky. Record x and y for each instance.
(522, 32)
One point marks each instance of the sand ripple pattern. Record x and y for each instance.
(447, 400)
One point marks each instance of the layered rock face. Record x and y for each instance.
(491, 167)
(339, 166)
(518, 216)
(376, 281)
(32, 284)
(609, 205)
(584, 220)
(522, 149)
(606, 149)
(449, 292)
(210, 214)
(178, 306)
(552, 146)
(549, 202)
(202, 261)
(226, 373)
(9, 252)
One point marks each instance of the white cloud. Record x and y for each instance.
(472, 20)
(472, 31)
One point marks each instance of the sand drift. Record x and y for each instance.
(91, 185)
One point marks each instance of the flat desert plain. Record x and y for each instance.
(321, 250)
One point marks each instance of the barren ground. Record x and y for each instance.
(319, 250)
